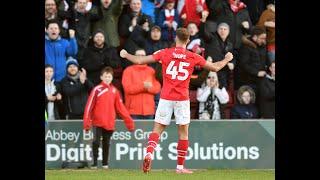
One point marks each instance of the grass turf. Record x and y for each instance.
(119, 174)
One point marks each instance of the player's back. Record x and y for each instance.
(177, 67)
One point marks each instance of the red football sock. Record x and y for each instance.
(182, 151)
(152, 142)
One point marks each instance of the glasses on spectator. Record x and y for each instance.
(210, 77)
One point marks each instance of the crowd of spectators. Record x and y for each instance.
(82, 37)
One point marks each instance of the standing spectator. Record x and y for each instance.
(196, 43)
(246, 108)
(57, 48)
(267, 20)
(52, 94)
(267, 93)
(155, 42)
(168, 21)
(194, 11)
(58, 12)
(75, 88)
(135, 27)
(140, 86)
(211, 97)
(100, 112)
(81, 20)
(111, 10)
(255, 8)
(217, 45)
(235, 14)
(252, 59)
(135, 20)
(158, 5)
(97, 56)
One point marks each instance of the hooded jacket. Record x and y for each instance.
(138, 100)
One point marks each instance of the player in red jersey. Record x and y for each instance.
(177, 67)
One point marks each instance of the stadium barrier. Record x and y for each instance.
(231, 144)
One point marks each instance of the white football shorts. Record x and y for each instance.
(165, 109)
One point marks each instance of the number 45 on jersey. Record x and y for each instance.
(172, 70)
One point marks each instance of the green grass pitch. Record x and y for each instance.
(119, 174)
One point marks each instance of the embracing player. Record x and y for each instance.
(177, 67)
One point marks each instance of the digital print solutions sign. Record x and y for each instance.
(212, 144)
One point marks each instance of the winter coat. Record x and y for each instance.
(75, 94)
(95, 59)
(109, 23)
(138, 100)
(81, 23)
(252, 59)
(267, 97)
(56, 53)
(222, 13)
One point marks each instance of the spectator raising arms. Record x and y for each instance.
(57, 49)
(111, 10)
(211, 97)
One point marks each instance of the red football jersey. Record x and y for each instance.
(177, 67)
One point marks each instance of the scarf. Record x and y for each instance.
(236, 8)
(75, 77)
(169, 15)
(212, 106)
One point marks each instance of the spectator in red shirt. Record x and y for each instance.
(194, 11)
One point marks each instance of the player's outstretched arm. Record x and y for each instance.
(220, 64)
(137, 59)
